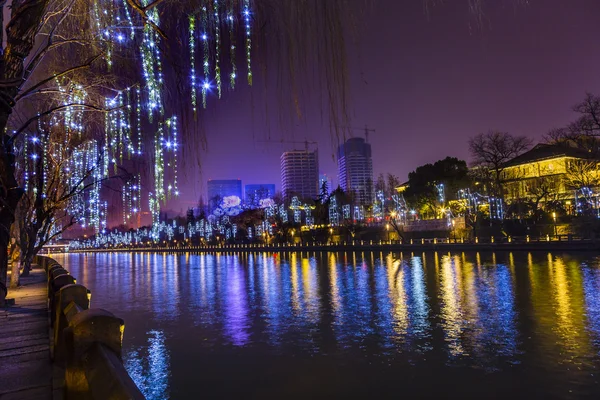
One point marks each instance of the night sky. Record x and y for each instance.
(426, 82)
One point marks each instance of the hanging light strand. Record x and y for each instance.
(205, 61)
(217, 24)
(232, 43)
(246, 16)
(192, 32)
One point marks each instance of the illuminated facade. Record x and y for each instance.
(300, 174)
(549, 170)
(355, 169)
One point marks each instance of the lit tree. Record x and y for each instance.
(47, 41)
(423, 191)
(51, 204)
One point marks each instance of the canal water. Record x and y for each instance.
(348, 325)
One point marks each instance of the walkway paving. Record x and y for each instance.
(25, 367)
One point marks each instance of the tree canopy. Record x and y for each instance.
(431, 186)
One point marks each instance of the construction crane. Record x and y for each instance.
(306, 142)
(365, 129)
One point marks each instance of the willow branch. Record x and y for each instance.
(41, 83)
(152, 5)
(142, 12)
(59, 108)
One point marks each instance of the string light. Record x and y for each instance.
(192, 25)
(232, 45)
(116, 28)
(205, 60)
(217, 25)
(246, 15)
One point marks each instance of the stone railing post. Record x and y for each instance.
(56, 284)
(76, 294)
(91, 332)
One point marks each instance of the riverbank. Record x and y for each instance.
(424, 245)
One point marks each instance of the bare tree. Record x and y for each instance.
(583, 132)
(582, 174)
(540, 189)
(492, 150)
(581, 137)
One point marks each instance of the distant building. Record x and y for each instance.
(300, 174)
(219, 188)
(256, 192)
(549, 171)
(355, 169)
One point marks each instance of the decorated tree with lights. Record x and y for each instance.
(50, 203)
(54, 44)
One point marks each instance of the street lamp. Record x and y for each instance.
(387, 228)
(554, 218)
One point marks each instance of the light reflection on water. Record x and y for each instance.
(517, 321)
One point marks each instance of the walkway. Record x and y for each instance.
(25, 367)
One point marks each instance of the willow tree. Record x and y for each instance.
(198, 49)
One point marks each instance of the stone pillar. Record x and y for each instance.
(86, 330)
(67, 298)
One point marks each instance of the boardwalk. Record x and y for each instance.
(25, 367)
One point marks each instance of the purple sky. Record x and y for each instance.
(426, 83)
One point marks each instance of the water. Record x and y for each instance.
(335, 325)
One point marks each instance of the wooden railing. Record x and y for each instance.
(87, 343)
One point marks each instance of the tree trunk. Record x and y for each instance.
(3, 276)
(26, 264)
(11, 195)
(15, 279)
(21, 30)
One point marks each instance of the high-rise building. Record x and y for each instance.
(300, 174)
(355, 169)
(219, 188)
(256, 192)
